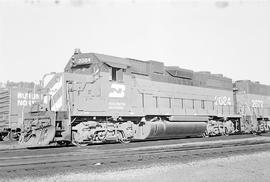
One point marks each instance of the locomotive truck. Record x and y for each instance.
(101, 98)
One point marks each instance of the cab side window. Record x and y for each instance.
(116, 74)
(113, 73)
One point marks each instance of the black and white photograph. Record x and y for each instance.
(134, 90)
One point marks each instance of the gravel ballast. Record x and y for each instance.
(246, 168)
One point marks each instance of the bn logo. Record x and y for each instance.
(117, 90)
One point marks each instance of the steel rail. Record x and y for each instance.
(89, 150)
(87, 155)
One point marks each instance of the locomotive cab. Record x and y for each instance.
(90, 90)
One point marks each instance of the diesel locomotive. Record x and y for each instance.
(100, 98)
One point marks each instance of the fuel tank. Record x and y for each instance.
(175, 127)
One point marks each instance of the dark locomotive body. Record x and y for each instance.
(102, 98)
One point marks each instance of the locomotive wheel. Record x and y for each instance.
(226, 133)
(11, 136)
(79, 144)
(76, 140)
(205, 134)
(63, 143)
(122, 138)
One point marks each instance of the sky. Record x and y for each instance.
(224, 37)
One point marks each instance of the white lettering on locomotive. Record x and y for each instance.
(117, 90)
(257, 103)
(83, 61)
(223, 100)
(116, 105)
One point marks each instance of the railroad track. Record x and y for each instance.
(139, 145)
(93, 159)
(19, 149)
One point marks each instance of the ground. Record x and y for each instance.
(246, 168)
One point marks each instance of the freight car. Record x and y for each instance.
(100, 98)
(15, 99)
